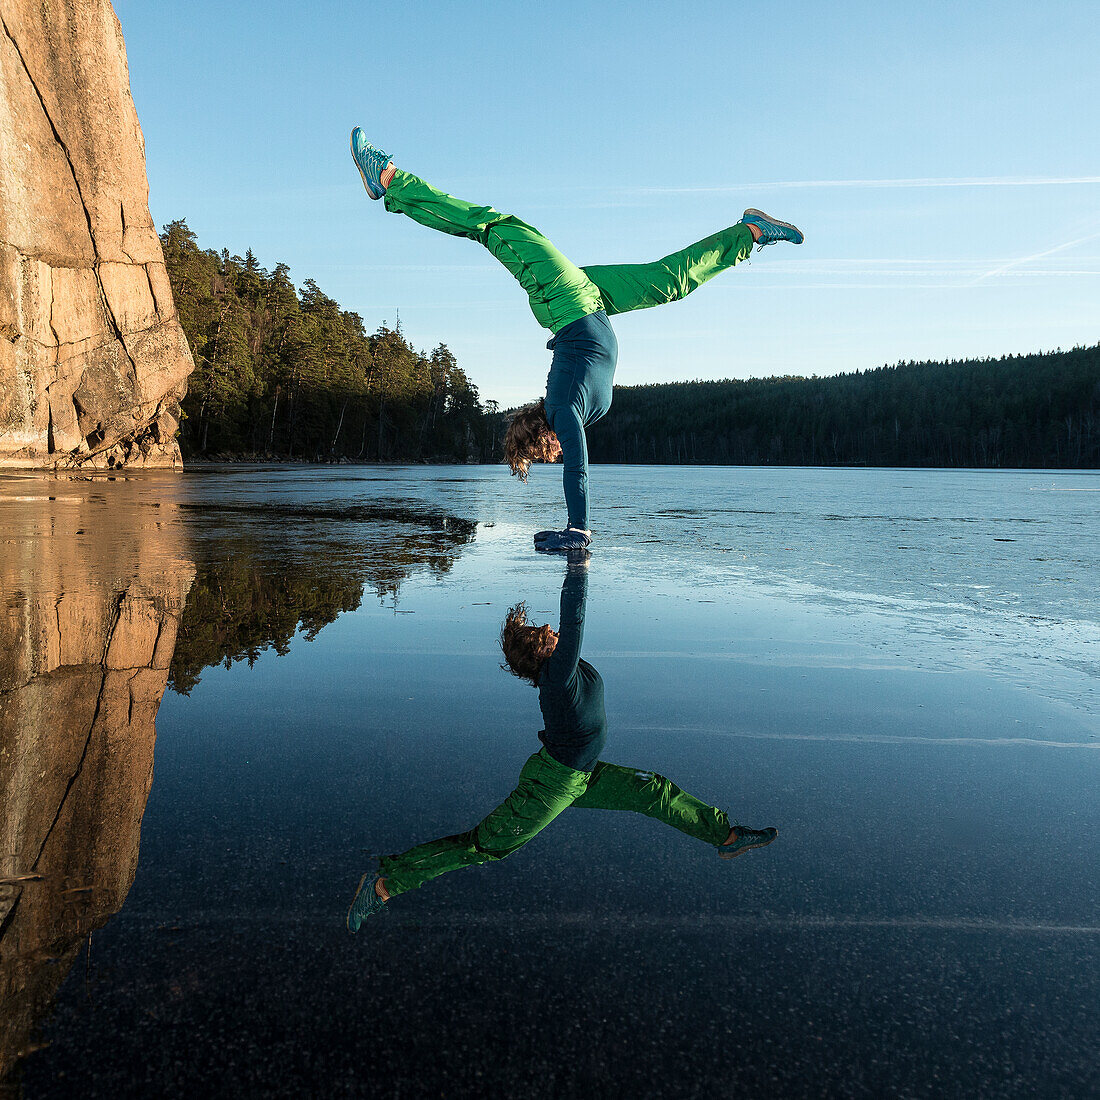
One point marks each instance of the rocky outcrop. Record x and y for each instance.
(91, 597)
(93, 361)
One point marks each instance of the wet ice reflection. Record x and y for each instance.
(567, 773)
(929, 913)
(111, 591)
(86, 639)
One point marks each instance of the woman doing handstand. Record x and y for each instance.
(574, 303)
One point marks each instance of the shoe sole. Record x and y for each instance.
(358, 891)
(362, 175)
(752, 212)
(749, 847)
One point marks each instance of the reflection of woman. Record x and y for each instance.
(574, 304)
(566, 772)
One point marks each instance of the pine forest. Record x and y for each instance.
(287, 374)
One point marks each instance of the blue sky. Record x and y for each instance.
(942, 158)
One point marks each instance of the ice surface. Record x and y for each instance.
(897, 668)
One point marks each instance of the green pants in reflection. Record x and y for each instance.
(559, 291)
(545, 789)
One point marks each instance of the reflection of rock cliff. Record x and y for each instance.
(92, 359)
(87, 630)
(94, 576)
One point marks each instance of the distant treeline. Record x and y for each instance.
(290, 374)
(1016, 411)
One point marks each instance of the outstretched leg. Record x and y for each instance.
(625, 287)
(616, 788)
(613, 787)
(558, 290)
(545, 789)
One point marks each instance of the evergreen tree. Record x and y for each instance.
(283, 373)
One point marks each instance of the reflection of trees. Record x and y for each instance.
(235, 611)
(284, 569)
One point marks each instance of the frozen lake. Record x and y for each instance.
(899, 669)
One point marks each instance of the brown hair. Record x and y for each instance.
(525, 647)
(527, 438)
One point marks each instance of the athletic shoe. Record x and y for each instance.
(542, 536)
(371, 163)
(745, 839)
(772, 231)
(365, 903)
(572, 538)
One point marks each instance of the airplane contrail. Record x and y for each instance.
(1037, 256)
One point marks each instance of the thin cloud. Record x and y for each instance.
(398, 267)
(930, 181)
(992, 272)
(926, 261)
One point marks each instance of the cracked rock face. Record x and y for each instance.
(88, 621)
(93, 362)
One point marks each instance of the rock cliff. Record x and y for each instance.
(93, 361)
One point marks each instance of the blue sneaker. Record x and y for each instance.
(745, 839)
(771, 230)
(365, 903)
(572, 538)
(371, 163)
